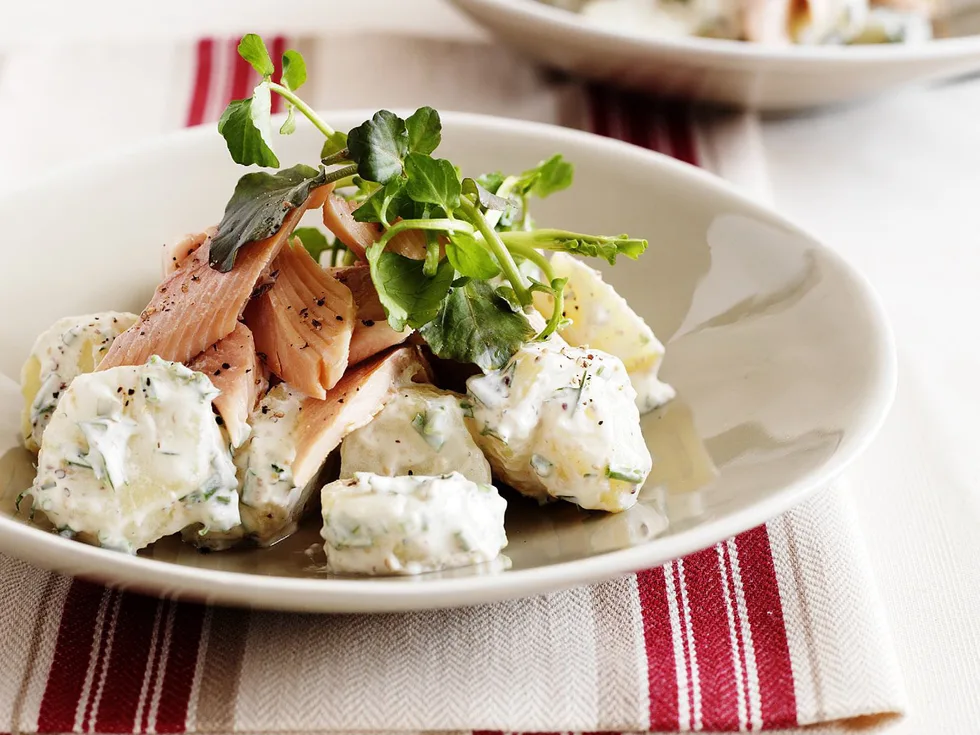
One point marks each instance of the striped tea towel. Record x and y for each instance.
(777, 628)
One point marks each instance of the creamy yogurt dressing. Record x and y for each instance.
(811, 22)
(561, 422)
(133, 454)
(671, 18)
(271, 501)
(885, 25)
(412, 524)
(827, 21)
(420, 431)
(68, 348)
(602, 319)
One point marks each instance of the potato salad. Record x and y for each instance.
(809, 23)
(421, 431)
(397, 379)
(134, 454)
(560, 423)
(69, 347)
(375, 524)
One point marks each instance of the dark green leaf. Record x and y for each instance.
(475, 325)
(252, 49)
(595, 246)
(293, 69)
(257, 209)
(408, 295)
(432, 181)
(470, 258)
(245, 127)
(486, 199)
(386, 204)
(313, 240)
(378, 146)
(509, 296)
(424, 130)
(333, 144)
(370, 210)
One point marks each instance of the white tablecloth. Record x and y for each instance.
(892, 184)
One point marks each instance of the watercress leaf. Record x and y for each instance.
(378, 146)
(432, 254)
(486, 199)
(409, 296)
(333, 144)
(492, 181)
(252, 49)
(258, 207)
(513, 216)
(432, 181)
(546, 178)
(387, 203)
(313, 240)
(370, 209)
(596, 246)
(469, 257)
(509, 297)
(476, 325)
(246, 128)
(424, 130)
(289, 125)
(293, 69)
(553, 175)
(362, 189)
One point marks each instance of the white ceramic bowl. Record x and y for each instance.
(778, 349)
(720, 71)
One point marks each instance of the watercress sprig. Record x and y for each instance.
(246, 125)
(468, 296)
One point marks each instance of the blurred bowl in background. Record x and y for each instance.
(731, 73)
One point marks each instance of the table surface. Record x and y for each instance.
(893, 185)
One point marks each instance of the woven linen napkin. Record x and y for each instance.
(776, 628)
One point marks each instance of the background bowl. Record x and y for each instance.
(726, 72)
(782, 359)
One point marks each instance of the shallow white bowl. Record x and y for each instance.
(779, 350)
(720, 71)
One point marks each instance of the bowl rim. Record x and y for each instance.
(303, 594)
(539, 14)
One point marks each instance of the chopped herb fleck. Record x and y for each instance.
(541, 465)
(625, 475)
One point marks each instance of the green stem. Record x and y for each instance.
(499, 250)
(438, 225)
(557, 293)
(345, 182)
(338, 157)
(336, 251)
(525, 251)
(341, 173)
(432, 254)
(302, 107)
(507, 186)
